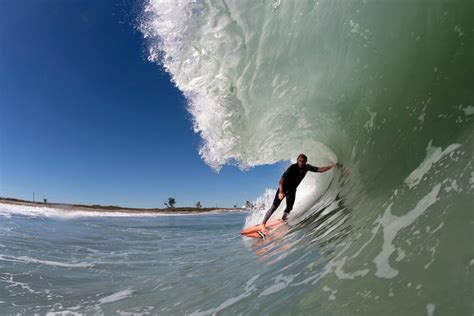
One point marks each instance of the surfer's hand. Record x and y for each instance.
(281, 195)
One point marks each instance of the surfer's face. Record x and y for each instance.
(301, 162)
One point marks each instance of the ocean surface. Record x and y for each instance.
(383, 87)
(54, 262)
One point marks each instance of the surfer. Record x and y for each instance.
(288, 183)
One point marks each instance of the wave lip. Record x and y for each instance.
(246, 110)
(181, 43)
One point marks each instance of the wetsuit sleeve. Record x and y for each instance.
(312, 168)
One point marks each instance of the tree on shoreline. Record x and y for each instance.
(171, 202)
(249, 205)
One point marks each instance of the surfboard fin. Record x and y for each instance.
(262, 235)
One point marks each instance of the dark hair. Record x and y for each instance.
(303, 156)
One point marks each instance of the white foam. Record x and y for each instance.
(468, 110)
(370, 123)
(433, 155)
(26, 259)
(433, 254)
(65, 312)
(262, 204)
(280, 283)
(249, 289)
(338, 263)
(15, 284)
(430, 308)
(392, 225)
(116, 296)
(7, 210)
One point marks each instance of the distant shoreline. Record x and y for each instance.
(116, 209)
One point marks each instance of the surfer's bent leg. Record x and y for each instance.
(290, 200)
(276, 203)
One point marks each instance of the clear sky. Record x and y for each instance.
(85, 118)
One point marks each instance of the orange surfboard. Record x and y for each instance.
(256, 231)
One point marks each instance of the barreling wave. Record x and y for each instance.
(385, 88)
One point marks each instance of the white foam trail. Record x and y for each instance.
(433, 155)
(249, 289)
(116, 296)
(392, 225)
(280, 282)
(26, 259)
(8, 278)
(430, 308)
(64, 312)
(468, 110)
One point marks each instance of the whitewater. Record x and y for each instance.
(383, 87)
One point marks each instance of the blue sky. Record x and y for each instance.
(85, 118)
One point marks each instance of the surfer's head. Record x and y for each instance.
(301, 160)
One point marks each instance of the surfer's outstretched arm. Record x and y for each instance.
(326, 168)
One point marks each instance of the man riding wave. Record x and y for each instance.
(288, 183)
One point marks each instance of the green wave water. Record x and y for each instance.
(385, 87)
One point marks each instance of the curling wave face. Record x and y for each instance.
(383, 87)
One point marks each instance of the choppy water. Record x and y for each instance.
(384, 87)
(106, 265)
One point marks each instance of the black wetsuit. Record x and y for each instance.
(292, 178)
